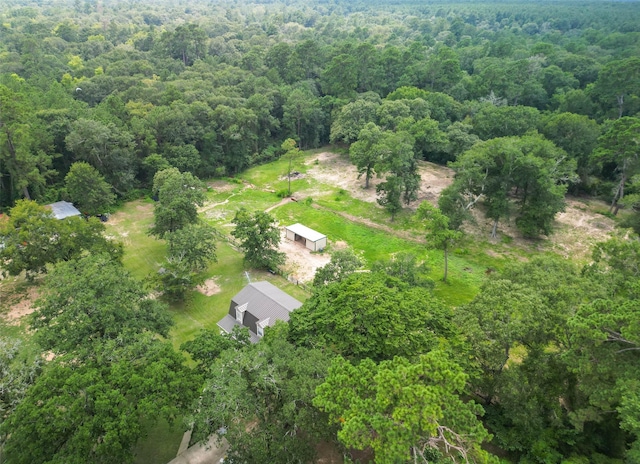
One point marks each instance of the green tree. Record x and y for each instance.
(617, 87)
(530, 169)
(87, 189)
(502, 316)
(351, 119)
(259, 238)
(343, 263)
(25, 149)
(405, 266)
(95, 411)
(620, 145)
(439, 235)
(186, 43)
(17, 374)
(577, 135)
(107, 148)
(366, 153)
(290, 151)
(91, 301)
(179, 194)
(340, 77)
(398, 161)
(390, 195)
(194, 245)
(33, 238)
(371, 315)
(403, 409)
(304, 117)
(262, 395)
(505, 121)
(209, 344)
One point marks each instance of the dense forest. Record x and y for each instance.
(106, 101)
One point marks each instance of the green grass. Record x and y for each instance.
(162, 445)
(142, 253)
(466, 273)
(341, 201)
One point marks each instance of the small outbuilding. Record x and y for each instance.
(314, 241)
(63, 209)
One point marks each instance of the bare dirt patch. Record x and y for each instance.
(580, 228)
(337, 170)
(221, 186)
(301, 263)
(209, 287)
(576, 230)
(20, 305)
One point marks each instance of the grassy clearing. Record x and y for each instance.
(465, 273)
(142, 253)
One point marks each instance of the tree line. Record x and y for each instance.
(131, 92)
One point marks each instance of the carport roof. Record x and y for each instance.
(305, 232)
(63, 209)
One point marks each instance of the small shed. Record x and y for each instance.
(63, 209)
(315, 241)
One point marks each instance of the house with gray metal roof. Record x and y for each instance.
(258, 306)
(63, 209)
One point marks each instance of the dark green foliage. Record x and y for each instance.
(259, 239)
(92, 411)
(210, 344)
(342, 264)
(32, 239)
(194, 246)
(401, 408)
(371, 315)
(91, 301)
(529, 169)
(269, 385)
(179, 195)
(405, 267)
(211, 89)
(88, 190)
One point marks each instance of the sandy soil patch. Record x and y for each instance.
(579, 229)
(576, 230)
(301, 263)
(209, 287)
(337, 170)
(20, 305)
(221, 186)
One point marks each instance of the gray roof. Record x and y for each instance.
(304, 231)
(265, 300)
(227, 324)
(63, 209)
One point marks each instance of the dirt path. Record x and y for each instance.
(374, 225)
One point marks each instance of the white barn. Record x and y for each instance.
(314, 241)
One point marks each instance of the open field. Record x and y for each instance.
(330, 198)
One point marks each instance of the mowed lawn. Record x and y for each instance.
(143, 257)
